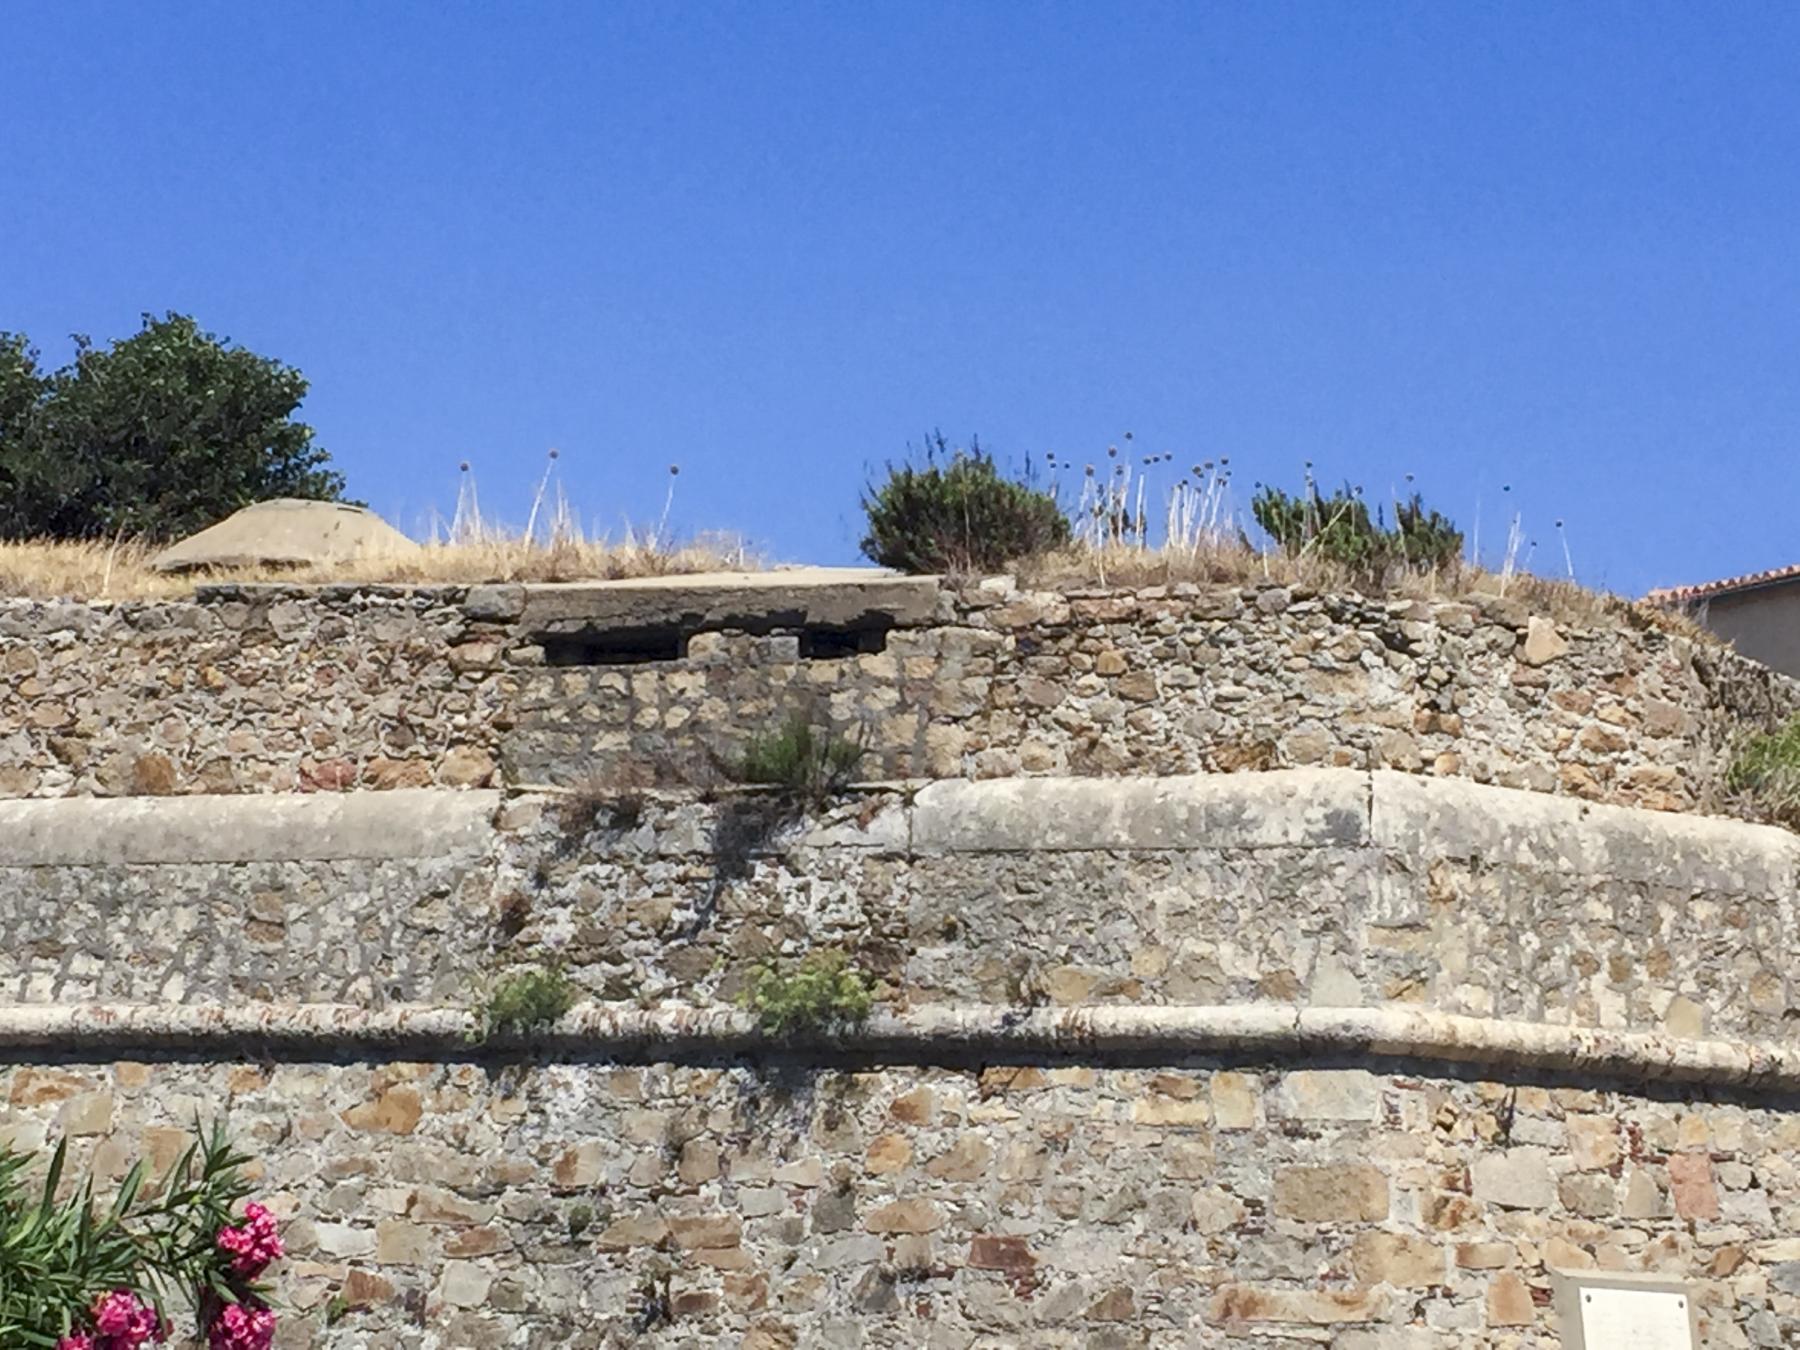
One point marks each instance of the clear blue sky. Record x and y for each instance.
(1547, 245)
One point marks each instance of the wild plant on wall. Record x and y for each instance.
(179, 1255)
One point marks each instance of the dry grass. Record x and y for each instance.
(102, 571)
(1762, 781)
(1219, 562)
(1196, 534)
(470, 548)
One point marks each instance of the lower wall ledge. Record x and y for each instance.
(1291, 1036)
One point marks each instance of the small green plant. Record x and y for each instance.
(1766, 770)
(822, 992)
(1341, 529)
(581, 1218)
(337, 1308)
(806, 759)
(958, 513)
(524, 1001)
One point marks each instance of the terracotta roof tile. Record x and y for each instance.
(1675, 595)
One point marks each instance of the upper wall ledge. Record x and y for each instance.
(800, 596)
(810, 597)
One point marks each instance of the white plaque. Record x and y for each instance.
(1634, 1319)
(1612, 1312)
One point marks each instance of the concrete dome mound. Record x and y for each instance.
(287, 532)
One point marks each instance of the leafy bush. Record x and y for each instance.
(528, 999)
(1340, 529)
(821, 993)
(159, 434)
(958, 513)
(75, 1276)
(1767, 770)
(805, 758)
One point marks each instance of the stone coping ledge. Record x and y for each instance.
(1275, 1032)
(1401, 814)
(241, 828)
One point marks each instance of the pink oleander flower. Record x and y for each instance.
(252, 1244)
(242, 1326)
(78, 1340)
(123, 1321)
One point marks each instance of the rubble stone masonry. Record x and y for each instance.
(1255, 969)
(1061, 1204)
(271, 689)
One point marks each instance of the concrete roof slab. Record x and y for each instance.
(812, 597)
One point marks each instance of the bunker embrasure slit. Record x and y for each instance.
(614, 646)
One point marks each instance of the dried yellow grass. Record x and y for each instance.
(1225, 562)
(84, 570)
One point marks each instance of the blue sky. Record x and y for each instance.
(1551, 247)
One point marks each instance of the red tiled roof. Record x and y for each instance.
(1675, 595)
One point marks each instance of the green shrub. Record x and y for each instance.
(529, 999)
(804, 758)
(1340, 529)
(958, 513)
(1767, 770)
(822, 992)
(158, 434)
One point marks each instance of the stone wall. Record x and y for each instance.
(1194, 1203)
(272, 689)
(253, 689)
(1252, 971)
(1190, 679)
(1312, 887)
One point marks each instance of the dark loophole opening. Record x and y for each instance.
(834, 644)
(614, 647)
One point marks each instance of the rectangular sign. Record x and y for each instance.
(1634, 1319)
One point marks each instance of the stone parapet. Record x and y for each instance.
(274, 689)
(1325, 888)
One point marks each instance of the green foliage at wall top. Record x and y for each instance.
(1341, 529)
(957, 512)
(156, 435)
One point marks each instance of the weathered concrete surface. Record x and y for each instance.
(1300, 808)
(1453, 819)
(287, 532)
(366, 826)
(824, 597)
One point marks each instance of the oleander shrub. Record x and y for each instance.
(76, 1274)
(957, 512)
